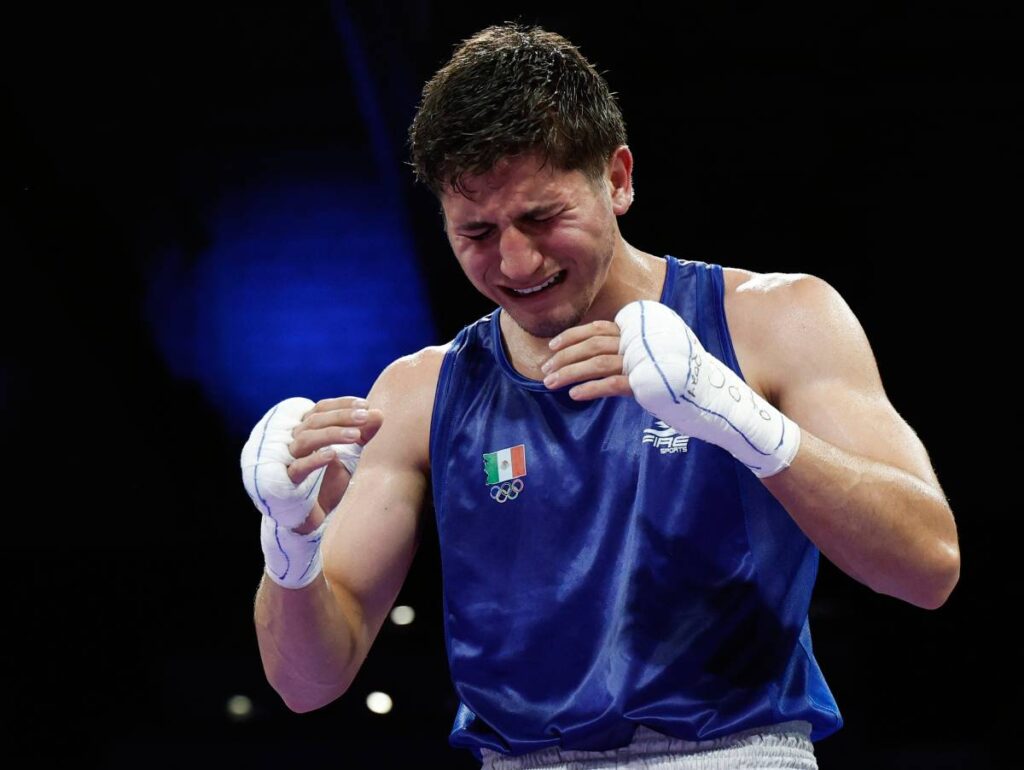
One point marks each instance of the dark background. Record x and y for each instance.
(869, 144)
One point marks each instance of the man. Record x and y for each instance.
(634, 461)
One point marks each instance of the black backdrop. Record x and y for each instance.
(869, 145)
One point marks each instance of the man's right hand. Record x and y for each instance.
(299, 447)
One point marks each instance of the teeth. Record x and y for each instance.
(535, 289)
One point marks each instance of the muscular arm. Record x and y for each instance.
(314, 640)
(861, 486)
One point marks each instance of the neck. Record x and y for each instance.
(632, 275)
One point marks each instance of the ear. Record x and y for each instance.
(620, 180)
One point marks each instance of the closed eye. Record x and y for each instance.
(532, 220)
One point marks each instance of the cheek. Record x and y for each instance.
(475, 265)
(565, 245)
(584, 249)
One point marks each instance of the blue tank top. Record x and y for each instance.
(601, 571)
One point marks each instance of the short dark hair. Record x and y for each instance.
(508, 90)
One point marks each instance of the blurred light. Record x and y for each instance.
(239, 707)
(305, 287)
(378, 702)
(403, 615)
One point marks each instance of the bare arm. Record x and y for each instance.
(314, 640)
(861, 486)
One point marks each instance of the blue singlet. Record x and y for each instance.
(601, 571)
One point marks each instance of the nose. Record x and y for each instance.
(519, 257)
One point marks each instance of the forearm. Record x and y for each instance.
(879, 524)
(309, 641)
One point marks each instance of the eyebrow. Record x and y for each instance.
(546, 208)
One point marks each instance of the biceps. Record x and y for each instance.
(372, 538)
(859, 421)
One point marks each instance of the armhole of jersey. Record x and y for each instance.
(718, 282)
(439, 430)
(439, 422)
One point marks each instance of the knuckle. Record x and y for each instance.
(570, 370)
(345, 434)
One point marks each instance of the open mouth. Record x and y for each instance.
(540, 288)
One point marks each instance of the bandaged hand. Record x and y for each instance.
(675, 379)
(298, 461)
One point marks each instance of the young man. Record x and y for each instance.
(634, 461)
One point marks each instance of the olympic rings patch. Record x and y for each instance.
(507, 490)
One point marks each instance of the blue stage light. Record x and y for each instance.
(304, 289)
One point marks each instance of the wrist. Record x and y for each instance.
(313, 521)
(765, 463)
(674, 378)
(292, 559)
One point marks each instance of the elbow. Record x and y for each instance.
(951, 575)
(300, 706)
(303, 705)
(303, 688)
(944, 578)
(306, 700)
(928, 585)
(303, 692)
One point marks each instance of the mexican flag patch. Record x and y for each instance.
(505, 464)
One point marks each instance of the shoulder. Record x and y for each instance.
(404, 392)
(787, 324)
(412, 375)
(778, 297)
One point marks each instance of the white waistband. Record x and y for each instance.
(785, 745)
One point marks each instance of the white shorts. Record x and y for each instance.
(785, 745)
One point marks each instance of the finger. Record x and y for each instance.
(578, 333)
(369, 428)
(588, 348)
(343, 418)
(301, 468)
(330, 404)
(308, 441)
(332, 489)
(617, 385)
(590, 369)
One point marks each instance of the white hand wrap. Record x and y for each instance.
(265, 461)
(679, 382)
(293, 560)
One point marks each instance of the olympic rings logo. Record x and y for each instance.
(507, 490)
